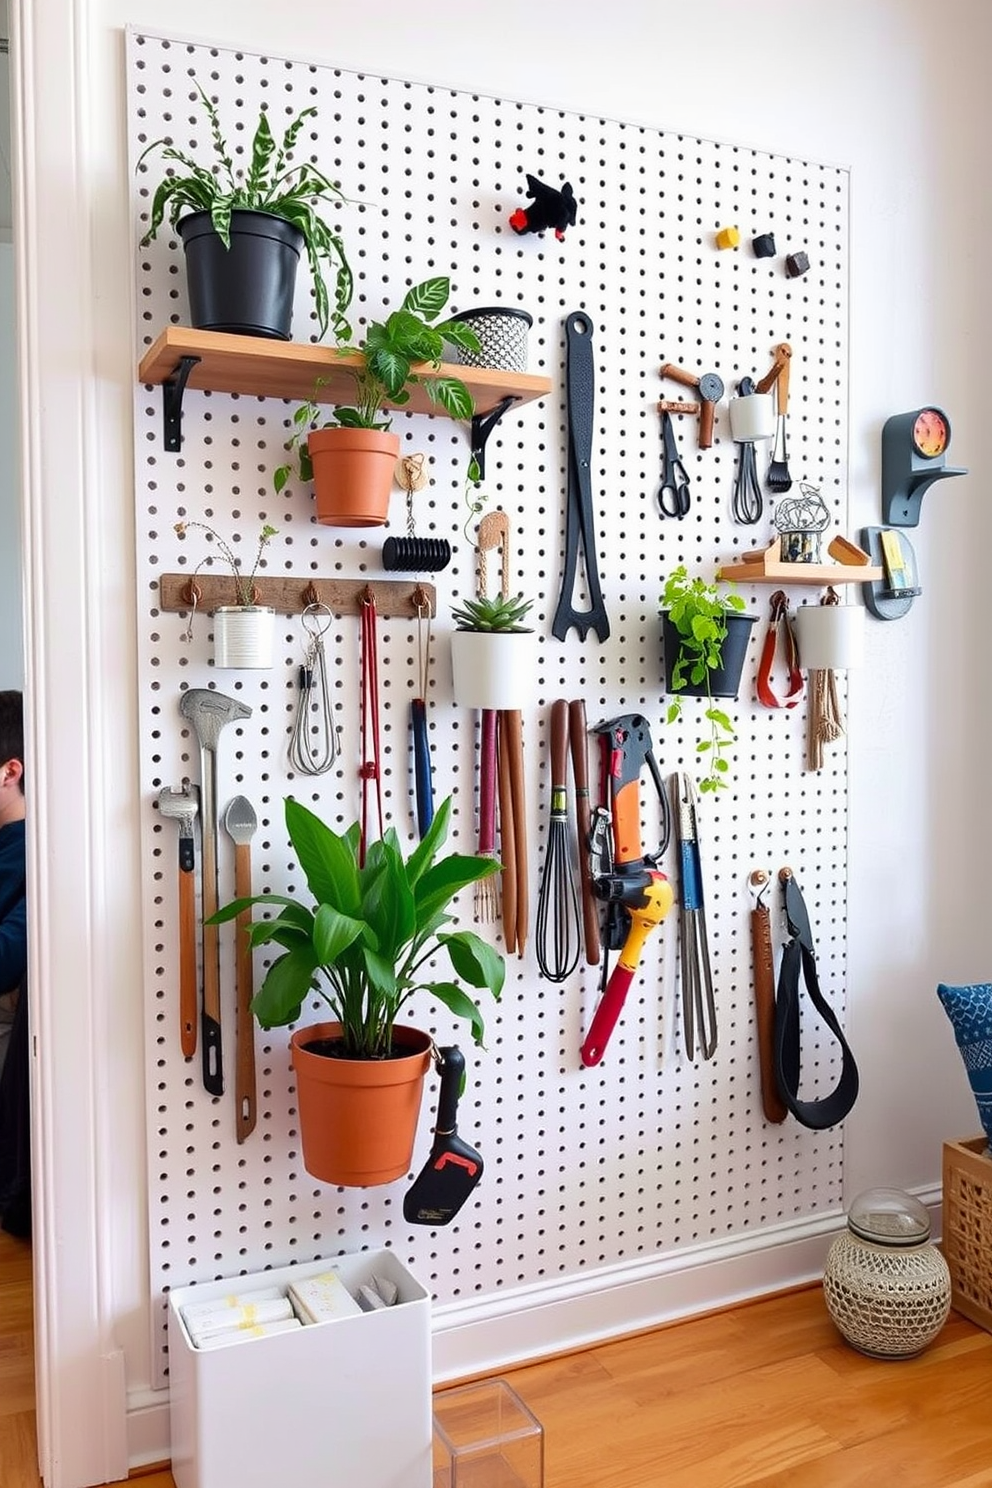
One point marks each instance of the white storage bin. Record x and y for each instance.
(340, 1404)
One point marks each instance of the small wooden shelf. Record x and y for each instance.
(765, 566)
(182, 358)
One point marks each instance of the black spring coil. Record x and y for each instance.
(416, 554)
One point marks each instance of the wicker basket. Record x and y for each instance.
(967, 1242)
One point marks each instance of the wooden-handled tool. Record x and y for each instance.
(183, 805)
(240, 823)
(710, 389)
(513, 831)
(578, 733)
(764, 997)
(778, 476)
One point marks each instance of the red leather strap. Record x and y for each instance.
(371, 747)
(779, 621)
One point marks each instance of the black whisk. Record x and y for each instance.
(559, 933)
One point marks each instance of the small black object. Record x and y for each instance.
(548, 208)
(453, 1168)
(763, 246)
(796, 264)
(580, 380)
(415, 554)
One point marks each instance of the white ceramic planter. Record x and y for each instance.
(492, 671)
(831, 637)
(243, 636)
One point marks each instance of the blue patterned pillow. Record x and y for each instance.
(970, 1012)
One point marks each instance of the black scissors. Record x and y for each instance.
(673, 493)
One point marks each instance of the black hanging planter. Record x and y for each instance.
(249, 288)
(725, 680)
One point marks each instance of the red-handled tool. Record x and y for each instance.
(652, 904)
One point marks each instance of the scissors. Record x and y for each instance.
(673, 493)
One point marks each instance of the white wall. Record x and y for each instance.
(857, 82)
(11, 626)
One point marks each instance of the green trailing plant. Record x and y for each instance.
(502, 616)
(392, 357)
(366, 940)
(269, 184)
(244, 582)
(699, 611)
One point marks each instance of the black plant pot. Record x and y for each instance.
(248, 288)
(725, 680)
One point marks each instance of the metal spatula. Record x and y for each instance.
(240, 823)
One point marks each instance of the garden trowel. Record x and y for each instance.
(453, 1168)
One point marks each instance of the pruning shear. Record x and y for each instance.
(673, 493)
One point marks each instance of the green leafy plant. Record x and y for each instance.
(699, 611)
(365, 943)
(393, 355)
(493, 614)
(270, 184)
(244, 583)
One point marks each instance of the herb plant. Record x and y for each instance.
(698, 611)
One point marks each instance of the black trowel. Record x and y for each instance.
(453, 1168)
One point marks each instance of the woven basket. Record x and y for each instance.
(502, 334)
(967, 1238)
(889, 1302)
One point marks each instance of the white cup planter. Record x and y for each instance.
(831, 637)
(243, 636)
(492, 669)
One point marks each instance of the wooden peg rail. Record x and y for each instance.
(288, 596)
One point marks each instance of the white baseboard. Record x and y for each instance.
(489, 1334)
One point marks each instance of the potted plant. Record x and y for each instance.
(706, 636)
(492, 653)
(243, 231)
(243, 632)
(351, 455)
(364, 941)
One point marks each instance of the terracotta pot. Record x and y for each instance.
(358, 1117)
(493, 671)
(353, 475)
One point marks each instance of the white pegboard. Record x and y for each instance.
(645, 1153)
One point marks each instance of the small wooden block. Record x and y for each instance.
(843, 551)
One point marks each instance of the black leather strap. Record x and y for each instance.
(798, 964)
(579, 523)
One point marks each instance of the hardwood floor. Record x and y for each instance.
(766, 1394)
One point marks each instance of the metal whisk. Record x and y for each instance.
(559, 932)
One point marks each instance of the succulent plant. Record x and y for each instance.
(493, 614)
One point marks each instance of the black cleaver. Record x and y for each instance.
(453, 1168)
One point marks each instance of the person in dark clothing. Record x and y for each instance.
(15, 1189)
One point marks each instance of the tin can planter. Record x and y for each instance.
(491, 671)
(244, 636)
(249, 288)
(502, 333)
(724, 680)
(353, 472)
(358, 1117)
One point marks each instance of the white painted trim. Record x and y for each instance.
(80, 1373)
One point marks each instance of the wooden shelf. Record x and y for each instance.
(182, 358)
(765, 566)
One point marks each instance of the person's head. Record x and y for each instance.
(11, 756)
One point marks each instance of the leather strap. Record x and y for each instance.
(371, 769)
(779, 623)
(798, 965)
(579, 524)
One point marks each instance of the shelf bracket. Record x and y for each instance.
(483, 425)
(173, 389)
